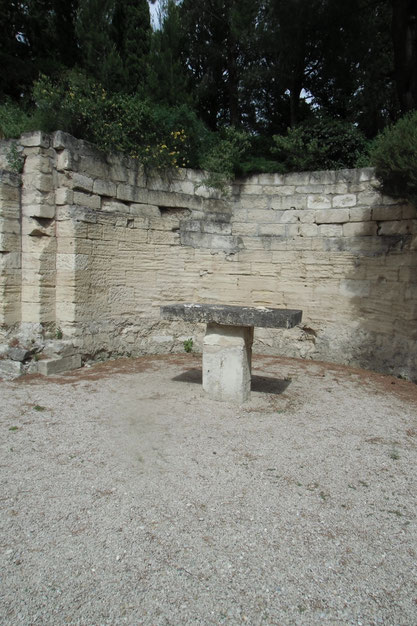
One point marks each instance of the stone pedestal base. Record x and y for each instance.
(227, 355)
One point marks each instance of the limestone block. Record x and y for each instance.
(10, 226)
(93, 167)
(49, 367)
(332, 216)
(242, 228)
(80, 182)
(369, 198)
(10, 261)
(35, 139)
(46, 211)
(308, 230)
(260, 216)
(387, 213)
(10, 369)
(72, 261)
(164, 237)
(355, 288)
(104, 188)
(37, 163)
(118, 171)
(366, 173)
(359, 229)
(359, 214)
(63, 195)
(396, 227)
(38, 312)
(338, 188)
(306, 216)
(324, 177)
(298, 178)
(144, 210)
(66, 161)
(345, 200)
(330, 230)
(249, 189)
(258, 202)
(408, 212)
(227, 353)
(87, 200)
(272, 229)
(278, 190)
(318, 202)
(311, 188)
(288, 217)
(298, 201)
(95, 231)
(126, 192)
(113, 206)
(9, 242)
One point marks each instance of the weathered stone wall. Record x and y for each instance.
(103, 245)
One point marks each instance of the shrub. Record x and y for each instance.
(160, 137)
(394, 156)
(321, 143)
(223, 158)
(14, 120)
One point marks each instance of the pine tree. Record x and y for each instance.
(99, 55)
(131, 32)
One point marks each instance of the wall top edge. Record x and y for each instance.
(60, 140)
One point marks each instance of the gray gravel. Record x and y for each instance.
(129, 497)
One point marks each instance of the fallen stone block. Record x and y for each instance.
(48, 367)
(10, 369)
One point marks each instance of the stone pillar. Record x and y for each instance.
(38, 230)
(227, 355)
(10, 249)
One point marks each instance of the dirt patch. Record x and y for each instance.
(130, 497)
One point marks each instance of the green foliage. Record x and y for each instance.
(131, 32)
(394, 155)
(223, 159)
(14, 159)
(188, 345)
(321, 143)
(158, 136)
(14, 120)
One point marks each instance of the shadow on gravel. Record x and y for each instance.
(263, 384)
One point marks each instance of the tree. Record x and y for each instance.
(131, 32)
(404, 37)
(99, 55)
(216, 36)
(168, 76)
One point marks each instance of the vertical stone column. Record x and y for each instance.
(10, 249)
(227, 357)
(38, 230)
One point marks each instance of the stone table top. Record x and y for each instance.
(232, 315)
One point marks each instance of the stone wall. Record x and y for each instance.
(94, 246)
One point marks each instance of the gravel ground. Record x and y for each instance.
(129, 497)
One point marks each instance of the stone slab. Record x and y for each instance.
(48, 367)
(231, 315)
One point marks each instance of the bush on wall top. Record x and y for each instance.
(394, 155)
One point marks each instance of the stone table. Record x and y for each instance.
(227, 347)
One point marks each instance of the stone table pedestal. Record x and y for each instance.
(227, 347)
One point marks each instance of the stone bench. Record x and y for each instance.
(227, 347)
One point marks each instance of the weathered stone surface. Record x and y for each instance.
(10, 369)
(107, 264)
(48, 367)
(230, 315)
(227, 353)
(18, 354)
